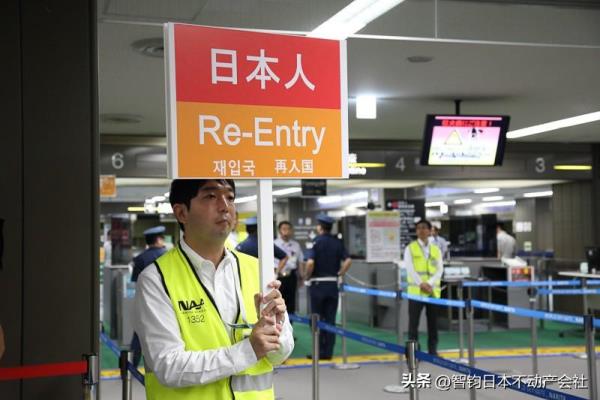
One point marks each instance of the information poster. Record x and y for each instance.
(383, 236)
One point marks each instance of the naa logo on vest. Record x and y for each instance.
(191, 305)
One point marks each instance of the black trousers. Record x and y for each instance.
(288, 288)
(324, 301)
(414, 315)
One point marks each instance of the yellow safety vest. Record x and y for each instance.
(202, 328)
(426, 268)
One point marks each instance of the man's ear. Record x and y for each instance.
(180, 211)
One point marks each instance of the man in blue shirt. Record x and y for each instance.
(250, 245)
(155, 242)
(327, 263)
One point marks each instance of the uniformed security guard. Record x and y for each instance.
(250, 244)
(424, 267)
(327, 263)
(197, 308)
(155, 247)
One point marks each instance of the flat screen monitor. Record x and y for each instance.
(464, 140)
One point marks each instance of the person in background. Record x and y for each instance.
(327, 263)
(250, 245)
(288, 275)
(424, 267)
(235, 237)
(198, 307)
(155, 247)
(439, 241)
(507, 245)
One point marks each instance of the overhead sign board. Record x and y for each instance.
(245, 104)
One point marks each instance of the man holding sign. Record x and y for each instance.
(198, 307)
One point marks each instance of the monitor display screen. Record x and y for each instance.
(464, 140)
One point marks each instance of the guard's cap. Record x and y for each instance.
(251, 221)
(155, 230)
(326, 219)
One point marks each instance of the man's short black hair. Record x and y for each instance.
(500, 225)
(424, 221)
(152, 239)
(284, 223)
(184, 190)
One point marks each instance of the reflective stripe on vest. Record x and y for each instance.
(201, 329)
(426, 268)
(248, 383)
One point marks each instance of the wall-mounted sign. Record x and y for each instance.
(246, 104)
(383, 236)
(108, 186)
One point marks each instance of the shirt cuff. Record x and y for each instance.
(243, 355)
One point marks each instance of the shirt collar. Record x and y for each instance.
(198, 261)
(422, 244)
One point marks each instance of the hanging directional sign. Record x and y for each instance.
(245, 104)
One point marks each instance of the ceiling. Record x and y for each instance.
(536, 61)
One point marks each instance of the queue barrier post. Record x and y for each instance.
(534, 333)
(471, 341)
(399, 388)
(314, 326)
(461, 326)
(411, 360)
(344, 364)
(91, 377)
(590, 333)
(125, 357)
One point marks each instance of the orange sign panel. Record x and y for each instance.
(108, 186)
(255, 105)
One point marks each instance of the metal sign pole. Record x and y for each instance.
(411, 358)
(265, 233)
(400, 334)
(471, 338)
(590, 345)
(534, 334)
(344, 365)
(314, 326)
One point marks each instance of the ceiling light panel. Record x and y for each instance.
(352, 18)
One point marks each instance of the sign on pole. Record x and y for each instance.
(255, 105)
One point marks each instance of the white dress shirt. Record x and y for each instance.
(160, 337)
(506, 245)
(294, 252)
(410, 267)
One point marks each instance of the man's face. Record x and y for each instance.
(211, 215)
(286, 232)
(423, 232)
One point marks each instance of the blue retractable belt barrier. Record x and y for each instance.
(510, 383)
(525, 312)
(369, 292)
(573, 282)
(593, 282)
(568, 291)
(110, 344)
(433, 300)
